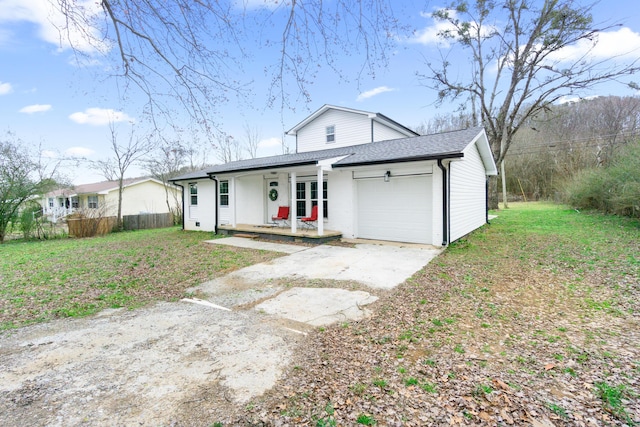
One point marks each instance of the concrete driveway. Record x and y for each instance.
(172, 361)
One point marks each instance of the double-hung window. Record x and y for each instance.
(314, 197)
(307, 198)
(92, 202)
(193, 194)
(331, 133)
(224, 193)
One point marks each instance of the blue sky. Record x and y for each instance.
(47, 99)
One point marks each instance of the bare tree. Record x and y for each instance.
(168, 162)
(227, 148)
(124, 155)
(195, 51)
(24, 174)
(251, 140)
(519, 64)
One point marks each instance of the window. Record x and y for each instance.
(307, 197)
(75, 202)
(92, 202)
(61, 201)
(314, 197)
(301, 199)
(50, 202)
(193, 194)
(331, 134)
(224, 193)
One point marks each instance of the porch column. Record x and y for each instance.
(320, 188)
(232, 193)
(293, 211)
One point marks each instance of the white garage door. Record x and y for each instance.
(398, 210)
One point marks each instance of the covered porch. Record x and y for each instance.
(274, 232)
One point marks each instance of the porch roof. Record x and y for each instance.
(446, 145)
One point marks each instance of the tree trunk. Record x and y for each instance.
(503, 178)
(493, 193)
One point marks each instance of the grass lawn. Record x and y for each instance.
(43, 280)
(534, 319)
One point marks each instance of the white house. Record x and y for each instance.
(139, 195)
(380, 180)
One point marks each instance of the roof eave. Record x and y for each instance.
(402, 160)
(269, 167)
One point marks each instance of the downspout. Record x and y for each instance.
(183, 211)
(486, 198)
(445, 202)
(216, 207)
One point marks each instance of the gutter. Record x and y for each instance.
(400, 160)
(445, 204)
(216, 207)
(183, 212)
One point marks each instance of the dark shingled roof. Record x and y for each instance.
(425, 147)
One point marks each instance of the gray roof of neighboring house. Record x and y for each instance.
(425, 147)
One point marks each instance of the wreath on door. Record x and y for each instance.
(273, 194)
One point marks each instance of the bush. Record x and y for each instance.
(612, 189)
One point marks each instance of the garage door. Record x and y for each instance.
(398, 210)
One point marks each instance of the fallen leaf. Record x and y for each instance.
(549, 366)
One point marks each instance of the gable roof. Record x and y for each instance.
(448, 145)
(377, 117)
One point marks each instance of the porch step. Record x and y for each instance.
(246, 236)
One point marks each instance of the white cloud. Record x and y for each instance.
(53, 26)
(36, 108)
(78, 152)
(621, 44)
(432, 35)
(5, 88)
(270, 142)
(100, 117)
(373, 92)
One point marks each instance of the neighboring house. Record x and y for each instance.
(380, 180)
(139, 195)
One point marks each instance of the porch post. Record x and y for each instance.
(320, 188)
(232, 192)
(294, 208)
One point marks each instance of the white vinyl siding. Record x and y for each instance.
(398, 210)
(350, 129)
(468, 193)
(383, 133)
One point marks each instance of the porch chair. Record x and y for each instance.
(309, 221)
(282, 216)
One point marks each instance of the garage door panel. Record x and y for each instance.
(398, 210)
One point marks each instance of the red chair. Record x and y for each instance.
(282, 217)
(309, 221)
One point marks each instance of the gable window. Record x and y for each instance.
(193, 194)
(331, 133)
(92, 202)
(224, 193)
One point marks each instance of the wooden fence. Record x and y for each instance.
(146, 221)
(89, 227)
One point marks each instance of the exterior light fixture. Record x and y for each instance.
(387, 175)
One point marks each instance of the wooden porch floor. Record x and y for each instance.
(273, 232)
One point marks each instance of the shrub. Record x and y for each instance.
(612, 189)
